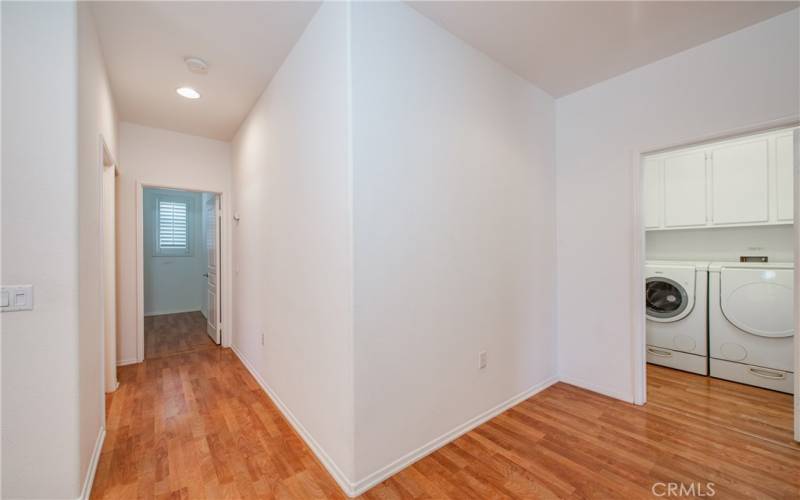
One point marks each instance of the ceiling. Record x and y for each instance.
(559, 46)
(565, 46)
(244, 44)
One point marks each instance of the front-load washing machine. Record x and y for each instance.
(676, 307)
(751, 323)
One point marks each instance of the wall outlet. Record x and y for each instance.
(482, 360)
(262, 339)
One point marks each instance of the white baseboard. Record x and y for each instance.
(353, 489)
(89, 480)
(591, 386)
(178, 311)
(384, 473)
(123, 362)
(325, 459)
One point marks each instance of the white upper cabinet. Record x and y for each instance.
(685, 190)
(784, 161)
(739, 180)
(747, 181)
(652, 184)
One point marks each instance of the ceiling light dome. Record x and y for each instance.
(196, 65)
(188, 92)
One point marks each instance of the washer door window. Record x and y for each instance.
(665, 298)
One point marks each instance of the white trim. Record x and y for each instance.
(638, 323)
(354, 489)
(384, 473)
(106, 160)
(125, 362)
(139, 272)
(89, 480)
(591, 386)
(796, 285)
(344, 483)
(177, 311)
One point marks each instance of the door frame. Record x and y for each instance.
(223, 275)
(638, 316)
(106, 161)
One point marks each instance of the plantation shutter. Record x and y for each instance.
(173, 227)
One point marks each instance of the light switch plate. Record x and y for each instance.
(16, 298)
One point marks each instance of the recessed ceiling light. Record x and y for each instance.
(188, 92)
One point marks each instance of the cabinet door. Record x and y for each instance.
(685, 190)
(651, 202)
(740, 188)
(784, 160)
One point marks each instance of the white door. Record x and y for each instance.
(784, 159)
(652, 193)
(211, 220)
(685, 190)
(739, 179)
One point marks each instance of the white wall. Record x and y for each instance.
(293, 259)
(40, 347)
(97, 117)
(738, 81)
(174, 284)
(454, 213)
(157, 157)
(52, 364)
(453, 202)
(722, 244)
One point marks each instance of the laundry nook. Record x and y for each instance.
(719, 276)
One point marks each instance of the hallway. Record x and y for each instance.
(197, 425)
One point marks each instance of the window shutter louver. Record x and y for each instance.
(173, 227)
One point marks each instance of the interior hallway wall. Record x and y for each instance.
(741, 80)
(39, 154)
(97, 118)
(174, 284)
(52, 355)
(454, 214)
(158, 157)
(293, 256)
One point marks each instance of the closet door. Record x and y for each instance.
(652, 191)
(740, 183)
(784, 160)
(685, 190)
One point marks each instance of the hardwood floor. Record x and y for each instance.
(168, 334)
(197, 425)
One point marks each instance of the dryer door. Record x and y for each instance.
(758, 301)
(666, 299)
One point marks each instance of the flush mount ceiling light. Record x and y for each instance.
(188, 92)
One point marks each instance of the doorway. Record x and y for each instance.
(715, 281)
(180, 272)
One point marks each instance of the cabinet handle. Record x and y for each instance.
(659, 352)
(760, 372)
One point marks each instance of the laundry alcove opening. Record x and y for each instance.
(717, 269)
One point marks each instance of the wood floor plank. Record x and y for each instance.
(168, 334)
(195, 424)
